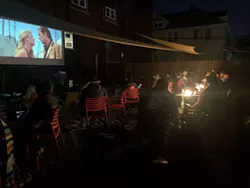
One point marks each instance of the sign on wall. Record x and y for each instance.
(68, 40)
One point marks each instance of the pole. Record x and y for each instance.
(3, 27)
(96, 63)
(124, 64)
(106, 58)
(9, 29)
(15, 29)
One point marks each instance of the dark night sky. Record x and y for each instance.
(239, 11)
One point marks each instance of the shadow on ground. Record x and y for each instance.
(111, 163)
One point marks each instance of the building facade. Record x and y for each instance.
(207, 31)
(114, 17)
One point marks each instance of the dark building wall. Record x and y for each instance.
(137, 18)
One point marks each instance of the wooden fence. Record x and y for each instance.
(147, 70)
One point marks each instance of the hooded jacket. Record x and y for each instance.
(92, 89)
(159, 114)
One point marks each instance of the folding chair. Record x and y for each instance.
(56, 130)
(97, 107)
(117, 103)
(132, 95)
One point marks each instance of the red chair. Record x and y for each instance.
(132, 95)
(98, 104)
(171, 87)
(56, 130)
(117, 103)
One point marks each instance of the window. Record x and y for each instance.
(110, 13)
(226, 30)
(196, 34)
(208, 34)
(176, 35)
(170, 39)
(155, 26)
(158, 25)
(80, 3)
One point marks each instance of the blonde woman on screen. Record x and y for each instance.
(25, 45)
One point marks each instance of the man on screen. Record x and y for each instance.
(51, 50)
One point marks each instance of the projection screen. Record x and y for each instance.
(28, 44)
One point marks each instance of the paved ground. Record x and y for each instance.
(108, 164)
(104, 162)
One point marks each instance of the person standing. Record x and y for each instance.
(160, 116)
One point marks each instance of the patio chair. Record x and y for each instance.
(96, 108)
(56, 130)
(117, 103)
(131, 95)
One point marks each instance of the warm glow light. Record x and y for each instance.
(199, 87)
(187, 93)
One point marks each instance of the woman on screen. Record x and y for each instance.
(25, 45)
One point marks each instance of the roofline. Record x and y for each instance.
(203, 26)
(226, 10)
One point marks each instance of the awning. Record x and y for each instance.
(236, 50)
(105, 37)
(177, 47)
(23, 13)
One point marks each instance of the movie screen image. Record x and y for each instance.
(29, 44)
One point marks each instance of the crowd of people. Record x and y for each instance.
(158, 116)
(221, 94)
(25, 135)
(35, 123)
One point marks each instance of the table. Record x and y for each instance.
(7, 101)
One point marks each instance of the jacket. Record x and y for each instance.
(92, 90)
(213, 99)
(54, 52)
(162, 114)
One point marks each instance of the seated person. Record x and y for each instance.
(130, 90)
(9, 176)
(26, 134)
(155, 79)
(43, 106)
(31, 89)
(92, 89)
(129, 82)
(60, 86)
(168, 79)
